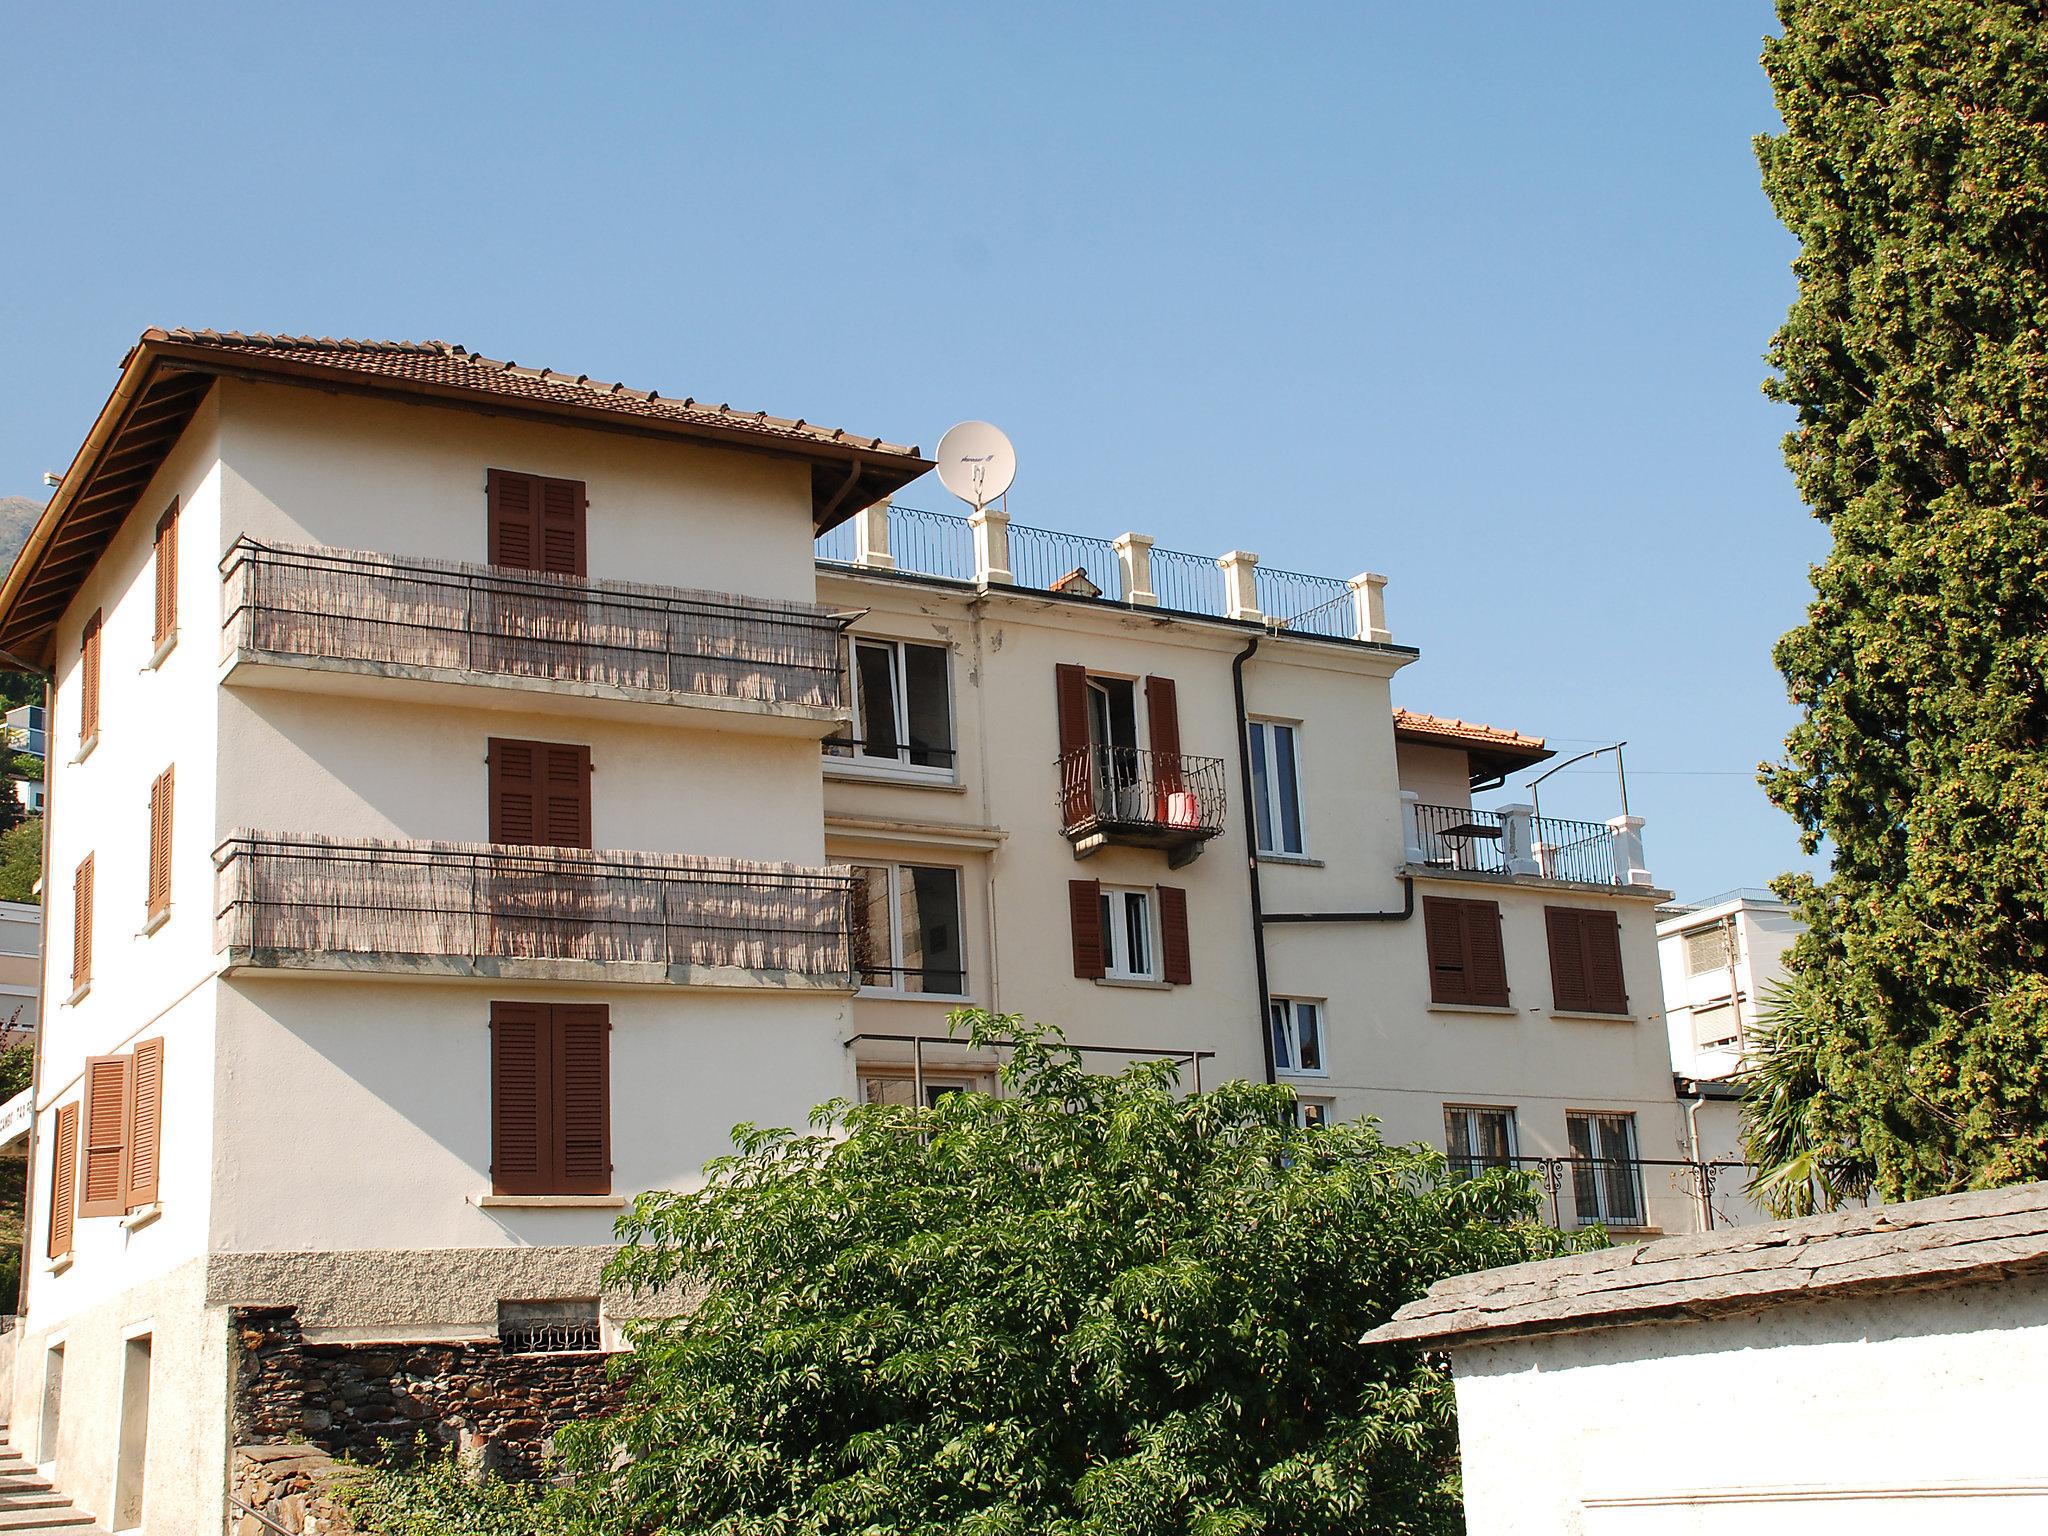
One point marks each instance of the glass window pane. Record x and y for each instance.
(1283, 1055)
(1138, 931)
(1289, 788)
(875, 676)
(1262, 809)
(1308, 1030)
(932, 957)
(929, 709)
(871, 944)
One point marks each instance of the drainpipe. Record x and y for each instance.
(1692, 1142)
(1251, 854)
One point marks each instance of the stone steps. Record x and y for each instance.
(29, 1503)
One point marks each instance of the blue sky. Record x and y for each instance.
(1473, 295)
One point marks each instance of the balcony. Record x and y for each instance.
(1627, 1194)
(1128, 797)
(1514, 841)
(343, 621)
(487, 910)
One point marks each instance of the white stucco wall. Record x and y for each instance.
(1909, 1413)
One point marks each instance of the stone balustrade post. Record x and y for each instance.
(871, 537)
(1369, 607)
(1411, 827)
(1240, 585)
(1628, 851)
(1518, 839)
(991, 547)
(1134, 569)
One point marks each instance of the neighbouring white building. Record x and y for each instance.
(474, 789)
(1721, 960)
(1875, 1371)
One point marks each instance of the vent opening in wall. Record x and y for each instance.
(550, 1327)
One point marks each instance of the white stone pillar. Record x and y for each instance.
(1134, 565)
(1240, 585)
(871, 537)
(1411, 827)
(1518, 839)
(1628, 851)
(1369, 607)
(991, 547)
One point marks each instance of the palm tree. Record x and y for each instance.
(1797, 1171)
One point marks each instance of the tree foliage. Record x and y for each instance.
(1913, 168)
(21, 857)
(1091, 1305)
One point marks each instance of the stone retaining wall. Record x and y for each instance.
(370, 1402)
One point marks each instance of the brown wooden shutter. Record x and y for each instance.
(1162, 720)
(160, 842)
(145, 1123)
(1084, 914)
(81, 924)
(522, 1103)
(1585, 960)
(63, 1180)
(1076, 799)
(1176, 960)
(89, 679)
(167, 574)
(1443, 928)
(1486, 962)
(108, 1083)
(583, 1098)
(536, 524)
(539, 793)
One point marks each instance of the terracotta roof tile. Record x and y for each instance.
(446, 364)
(1466, 732)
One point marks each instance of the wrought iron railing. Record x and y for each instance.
(1040, 556)
(1624, 1192)
(282, 896)
(1462, 838)
(347, 605)
(1189, 583)
(1108, 787)
(922, 543)
(1317, 605)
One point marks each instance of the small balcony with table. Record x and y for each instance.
(1514, 841)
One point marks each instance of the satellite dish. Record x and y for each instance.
(976, 463)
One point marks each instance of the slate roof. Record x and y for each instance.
(1983, 1235)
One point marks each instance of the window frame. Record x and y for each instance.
(938, 1080)
(854, 761)
(1314, 1114)
(1291, 1029)
(1267, 807)
(895, 966)
(1586, 1179)
(1116, 933)
(1466, 1165)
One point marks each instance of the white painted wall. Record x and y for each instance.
(1910, 1413)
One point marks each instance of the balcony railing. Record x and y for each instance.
(1617, 1192)
(491, 909)
(1144, 799)
(443, 616)
(1512, 842)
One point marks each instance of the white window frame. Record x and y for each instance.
(1589, 1180)
(1267, 752)
(1314, 1113)
(1116, 956)
(894, 964)
(855, 762)
(1460, 1160)
(1291, 1032)
(938, 1081)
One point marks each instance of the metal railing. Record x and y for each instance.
(1189, 583)
(1613, 1191)
(922, 543)
(315, 896)
(1169, 792)
(352, 606)
(1462, 838)
(1040, 556)
(1317, 605)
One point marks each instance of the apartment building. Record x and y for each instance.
(474, 789)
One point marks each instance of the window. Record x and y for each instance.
(160, 845)
(1312, 1114)
(1298, 1036)
(1716, 1025)
(551, 1099)
(1585, 960)
(1467, 965)
(89, 682)
(902, 706)
(1607, 1185)
(1125, 934)
(1708, 949)
(1128, 952)
(536, 524)
(570, 1327)
(81, 926)
(166, 576)
(539, 793)
(894, 1084)
(907, 929)
(1276, 786)
(1478, 1138)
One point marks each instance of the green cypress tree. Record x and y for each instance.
(1913, 168)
